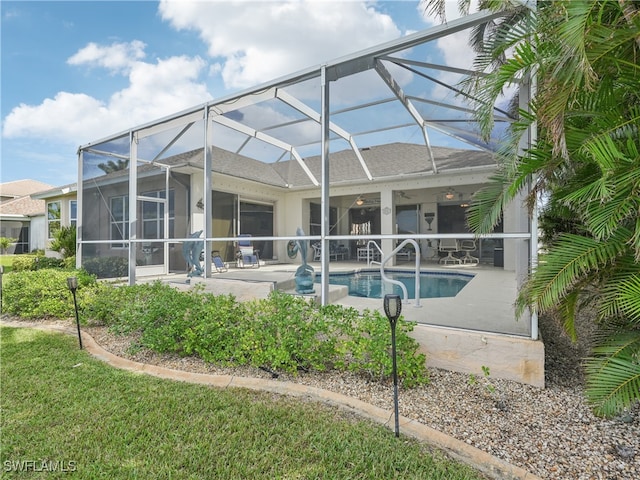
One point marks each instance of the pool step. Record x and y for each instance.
(336, 292)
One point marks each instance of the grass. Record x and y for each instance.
(62, 407)
(7, 262)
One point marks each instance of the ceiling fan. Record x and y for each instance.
(362, 201)
(451, 194)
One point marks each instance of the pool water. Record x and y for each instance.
(369, 284)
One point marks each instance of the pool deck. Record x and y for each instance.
(475, 328)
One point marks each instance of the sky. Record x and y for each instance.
(73, 72)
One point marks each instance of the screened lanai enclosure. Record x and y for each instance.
(379, 146)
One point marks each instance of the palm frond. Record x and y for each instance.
(573, 261)
(621, 295)
(613, 374)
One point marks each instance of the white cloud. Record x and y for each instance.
(155, 90)
(454, 48)
(259, 41)
(117, 57)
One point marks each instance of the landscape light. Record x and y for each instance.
(392, 308)
(72, 283)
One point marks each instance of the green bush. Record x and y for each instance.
(64, 241)
(35, 262)
(69, 263)
(287, 333)
(366, 348)
(44, 293)
(5, 243)
(281, 333)
(107, 267)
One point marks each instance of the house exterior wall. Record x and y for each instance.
(38, 233)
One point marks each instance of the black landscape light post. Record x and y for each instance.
(392, 309)
(72, 283)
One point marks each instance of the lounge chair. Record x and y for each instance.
(247, 256)
(218, 263)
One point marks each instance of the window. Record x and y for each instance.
(153, 215)
(73, 212)
(53, 218)
(408, 219)
(315, 217)
(256, 219)
(119, 220)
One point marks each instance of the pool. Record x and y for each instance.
(368, 283)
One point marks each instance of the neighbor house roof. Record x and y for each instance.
(16, 199)
(21, 188)
(25, 206)
(71, 188)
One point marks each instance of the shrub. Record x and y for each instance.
(64, 241)
(5, 242)
(107, 267)
(44, 293)
(286, 333)
(365, 346)
(35, 262)
(279, 333)
(69, 263)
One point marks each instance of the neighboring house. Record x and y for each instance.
(22, 217)
(61, 211)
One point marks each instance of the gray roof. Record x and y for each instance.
(394, 160)
(21, 188)
(383, 161)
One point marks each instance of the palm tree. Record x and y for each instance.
(112, 166)
(586, 162)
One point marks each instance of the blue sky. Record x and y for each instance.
(77, 71)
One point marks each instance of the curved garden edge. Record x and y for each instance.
(457, 449)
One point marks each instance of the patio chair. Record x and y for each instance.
(338, 251)
(247, 256)
(218, 263)
(335, 251)
(449, 246)
(368, 253)
(317, 252)
(468, 246)
(216, 260)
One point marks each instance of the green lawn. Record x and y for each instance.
(7, 262)
(63, 409)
